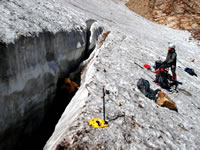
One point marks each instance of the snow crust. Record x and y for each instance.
(132, 39)
(146, 125)
(28, 18)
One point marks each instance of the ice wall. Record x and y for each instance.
(30, 68)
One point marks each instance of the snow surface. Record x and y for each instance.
(28, 18)
(132, 39)
(146, 125)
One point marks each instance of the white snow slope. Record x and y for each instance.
(146, 125)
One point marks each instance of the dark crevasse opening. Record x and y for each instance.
(53, 111)
(32, 129)
(37, 140)
(29, 115)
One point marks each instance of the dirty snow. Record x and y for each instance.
(145, 125)
(132, 39)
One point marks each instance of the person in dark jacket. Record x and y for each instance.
(170, 61)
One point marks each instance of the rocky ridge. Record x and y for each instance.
(179, 14)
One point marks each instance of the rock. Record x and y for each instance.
(185, 13)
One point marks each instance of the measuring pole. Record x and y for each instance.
(104, 113)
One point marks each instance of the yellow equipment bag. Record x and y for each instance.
(97, 123)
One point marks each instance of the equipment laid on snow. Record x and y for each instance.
(164, 101)
(162, 77)
(190, 71)
(100, 123)
(161, 98)
(147, 66)
(144, 86)
(104, 110)
(157, 64)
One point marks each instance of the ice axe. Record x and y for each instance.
(104, 110)
(100, 123)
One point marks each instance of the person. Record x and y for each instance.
(170, 61)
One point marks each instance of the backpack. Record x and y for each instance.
(158, 64)
(190, 71)
(144, 86)
(164, 101)
(162, 79)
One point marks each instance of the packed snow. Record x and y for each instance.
(141, 123)
(136, 122)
